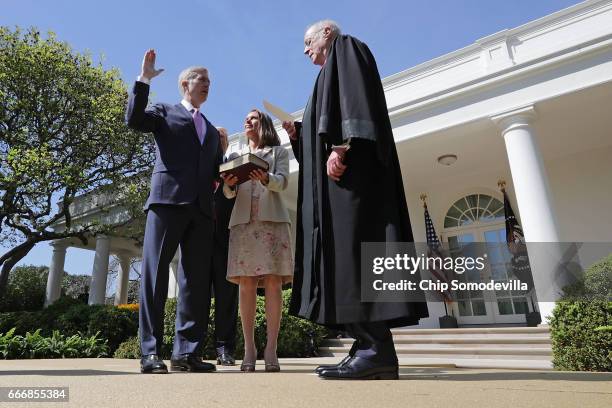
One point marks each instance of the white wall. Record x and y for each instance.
(582, 188)
(581, 185)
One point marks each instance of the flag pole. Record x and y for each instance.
(423, 197)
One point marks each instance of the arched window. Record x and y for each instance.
(474, 208)
(480, 218)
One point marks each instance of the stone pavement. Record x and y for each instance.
(118, 383)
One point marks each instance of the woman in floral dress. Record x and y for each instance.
(260, 253)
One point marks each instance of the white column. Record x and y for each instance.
(99, 275)
(173, 289)
(121, 294)
(56, 271)
(535, 203)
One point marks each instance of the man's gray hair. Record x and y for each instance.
(320, 25)
(187, 74)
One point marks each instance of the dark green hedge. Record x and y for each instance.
(27, 284)
(297, 337)
(35, 345)
(25, 289)
(71, 317)
(581, 324)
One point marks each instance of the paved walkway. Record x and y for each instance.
(118, 383)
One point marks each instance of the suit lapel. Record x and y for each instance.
(210, 133)
(189, 118)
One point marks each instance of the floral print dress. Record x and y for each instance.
(259, 248)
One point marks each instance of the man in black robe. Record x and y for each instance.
(350, 191)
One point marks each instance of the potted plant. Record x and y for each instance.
(448, 321)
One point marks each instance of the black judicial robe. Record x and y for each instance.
(367, 204)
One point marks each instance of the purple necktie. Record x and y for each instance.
(198, 121)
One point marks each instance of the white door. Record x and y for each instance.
(508, 306)
(487, 307)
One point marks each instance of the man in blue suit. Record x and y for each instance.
(179, 215)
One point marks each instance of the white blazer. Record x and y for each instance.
(271, 206)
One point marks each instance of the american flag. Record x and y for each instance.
(434, 251)
(516, 245)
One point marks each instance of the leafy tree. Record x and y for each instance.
(75, 285)
(133, 291)
(114, 268)
(64, 147)
(26, 289)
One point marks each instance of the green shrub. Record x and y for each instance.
(581, 324)
(63, 304)
(25, 289)
(114, 324)
(27, 286)
(598, 279)
(119, 328)
(75, 319)
(22, 322)
(128, 349)
(297, 337)
(71, 317)
(35, 345)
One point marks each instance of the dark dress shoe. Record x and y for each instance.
(345, 360)
(226, 359)
(358, 368)
(338, 365)
(189, 362)
(152, 364)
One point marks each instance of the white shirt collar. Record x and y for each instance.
(188, 106)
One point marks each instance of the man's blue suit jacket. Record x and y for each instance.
(184, 169)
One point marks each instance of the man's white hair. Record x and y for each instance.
(320, 25)
(187, 74)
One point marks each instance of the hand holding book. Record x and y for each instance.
(242, 168)
(229, 179)
(259, 175)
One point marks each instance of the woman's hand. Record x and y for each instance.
(259, 175)
(229, 179)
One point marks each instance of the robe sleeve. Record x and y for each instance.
(352, 103)
(348, 106)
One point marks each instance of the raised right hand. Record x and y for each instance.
(148, 65)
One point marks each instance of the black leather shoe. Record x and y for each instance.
(358, 368)
(345, 360)
(226, 359)
(189, 362)
(152, 364)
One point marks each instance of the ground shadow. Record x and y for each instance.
(64, 373)
(465, 374)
